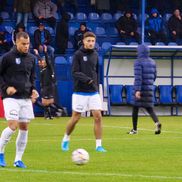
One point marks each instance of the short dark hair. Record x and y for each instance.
(22, 34)
(89, 34)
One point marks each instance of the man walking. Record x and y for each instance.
(145, 75)
(17, 78)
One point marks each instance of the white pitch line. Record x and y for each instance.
(91, 174)
(109, 126)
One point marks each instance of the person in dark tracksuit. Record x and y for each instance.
(47, 84)
(17, 84)
(86, 90)
(145, 75)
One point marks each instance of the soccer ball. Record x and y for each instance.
(80, 156)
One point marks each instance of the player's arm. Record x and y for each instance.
(3, 66)
(34, 94)
(138, 79)
(49, 62)
(77, 74)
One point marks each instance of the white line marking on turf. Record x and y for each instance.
(116, 127)
(91, 174)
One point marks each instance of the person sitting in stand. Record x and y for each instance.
(78, 35)
(5, 40)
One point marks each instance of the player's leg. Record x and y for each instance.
(98, 130)
(134, 120)
(11, 109)
(79, 103)
(95, 106)
(69, 129)
(5, 138)
(150, 110)
(21, 142)
(26, 114)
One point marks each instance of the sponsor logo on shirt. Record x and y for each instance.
(18, 60)
(85, 58)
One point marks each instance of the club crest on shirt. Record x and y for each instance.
(18, 60)
(85, 58)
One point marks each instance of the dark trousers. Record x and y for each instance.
(127, 38)
(157, 37)
(135, 111)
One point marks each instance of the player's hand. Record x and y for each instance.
(45, 48)
(11, 90)
(34, 95)
(36, 51)
(138, 94)
(90, 82)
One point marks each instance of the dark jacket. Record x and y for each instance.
(22, 6)
(174, 24)
(37, 38)
(155, 24)
(145, 75)
(47, 78)
(62, 33)
(84, 69)
(17, 70)
(126, 24)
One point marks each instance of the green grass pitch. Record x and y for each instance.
(144, 157)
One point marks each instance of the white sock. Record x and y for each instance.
(98, 142)
(21, 142)
(66, 138)
(157, 123)
(5, 137)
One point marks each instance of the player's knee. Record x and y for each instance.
(13, 125)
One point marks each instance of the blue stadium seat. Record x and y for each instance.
(70, 45)
(106, 17)
(72, 30)
(51, 30)
(165, 94)
(112, 32)
(32, 30)
(100, 31)
(133, 43)
(178, 90)
(81, 16)
(116, 94)
(93, 16)
(129, 94)
(106, 45)
(160, 43)
(172, 44)
(9, 29)
(5, 15)
(71, 15)
(120, 43)
(62, 68)
(117, 16)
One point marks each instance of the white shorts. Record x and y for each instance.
(18, 109)
(83, 103)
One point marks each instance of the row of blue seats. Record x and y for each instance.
(80, 16)
(163, 94)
